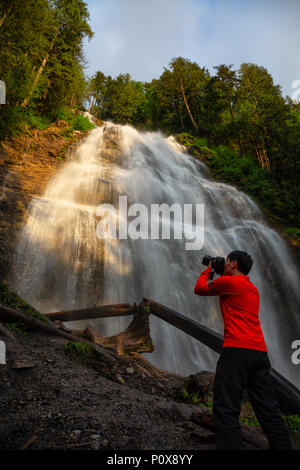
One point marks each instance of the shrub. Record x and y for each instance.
(64, 114)
(35, 121)
(82, 123)
(293, 423)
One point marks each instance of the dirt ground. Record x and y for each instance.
(59, 402)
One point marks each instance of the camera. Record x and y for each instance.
(217, 265)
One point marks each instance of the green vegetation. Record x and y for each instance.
(18, 327)
(83, 352)
(86, 354)
(147, 310)
(61, 154)
(35, 121)
(192, 398)
(41, 60)
(249, 420)
(293, 231)
(77, 122)
(276, 198)
(293, 423)
(11, 299)
(81, 123)
(78, 348)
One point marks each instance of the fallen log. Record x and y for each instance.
(252, 435)
(200, 332)
(147, 366)
(104, 311)
(93, 335)
(288, 396)
(8, 314)
(135, 339)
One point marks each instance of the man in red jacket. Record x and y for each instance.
(244, 362)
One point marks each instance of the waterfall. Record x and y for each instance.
(60, 263)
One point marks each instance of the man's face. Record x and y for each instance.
(229, 266)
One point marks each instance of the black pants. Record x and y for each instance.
(239, 369)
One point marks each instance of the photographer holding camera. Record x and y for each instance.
(244, 362)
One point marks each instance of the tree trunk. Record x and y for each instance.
(187, 107)
(136, 338)
(180, 114)
(238, 139)
(6, 13)
(46, 91)
(261, 154)
(8, 315)
(200, 332)
(103, 311)
(72, 100)
(38, 76)
(262, 151)
(93, 104)
(147, 367)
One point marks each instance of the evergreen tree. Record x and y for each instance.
(41, 58)
(262, 112)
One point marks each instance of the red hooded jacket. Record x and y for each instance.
(239, 302)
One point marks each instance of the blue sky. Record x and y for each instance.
(141, 37)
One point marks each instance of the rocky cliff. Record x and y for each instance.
(27, 162)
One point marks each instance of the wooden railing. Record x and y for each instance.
(287, 394)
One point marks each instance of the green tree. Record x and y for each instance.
(188, 79)
(174, 101)
(224, 101)
(119, 99)
(96, 92)
(65, 79)
(126, 99)
(262, 112)
(24, 40)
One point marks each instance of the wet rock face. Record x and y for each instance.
(111, 145)
(27, 162)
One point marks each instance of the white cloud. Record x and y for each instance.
(140, 37)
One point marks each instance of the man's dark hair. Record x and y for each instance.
(244, 261)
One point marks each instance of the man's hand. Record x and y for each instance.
(209, 264)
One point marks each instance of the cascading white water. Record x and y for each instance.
(60, 263)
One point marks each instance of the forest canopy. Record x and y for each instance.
(253, 133)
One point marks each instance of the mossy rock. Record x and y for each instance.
(197, 389)
(13, 300)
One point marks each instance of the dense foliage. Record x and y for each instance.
(41, 59)
(252, 131)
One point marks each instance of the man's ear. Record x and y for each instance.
(235, 264)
